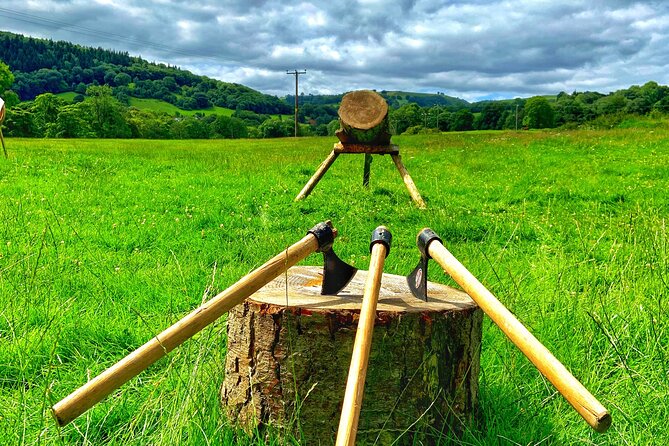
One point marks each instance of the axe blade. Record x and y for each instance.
(417, 280)
(336, 273)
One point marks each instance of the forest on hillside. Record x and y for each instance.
(100, 84)
(44, 66)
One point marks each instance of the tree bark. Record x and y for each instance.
(363, 118)
(289, 353)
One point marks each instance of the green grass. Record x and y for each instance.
(67, 96)
(156, 105)
(105, 243)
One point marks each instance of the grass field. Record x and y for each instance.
(105, 243)
(156, 105)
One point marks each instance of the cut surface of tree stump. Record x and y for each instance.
(363, 118)
(289, 350)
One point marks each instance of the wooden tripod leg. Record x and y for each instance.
(413, 191)
(2, 138)
(313, 181)
(367, 168)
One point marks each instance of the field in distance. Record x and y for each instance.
(107, 242)
(158, 106)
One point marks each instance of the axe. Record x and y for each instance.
(355, 385)
(319, 239)
(430, 246)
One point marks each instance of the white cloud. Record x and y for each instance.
(464, 48)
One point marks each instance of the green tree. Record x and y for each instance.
(404, 117)
(491, 116)
(568, 110)
(445, 120)
(122, 79)
(611, 104)
(538, 113)
(462, 120)
(662, 105)
(333, 126)
(105, 113)
(228, 127)
(6, 77)
(11, 99)
(46, 107)
(275, 128)
(20, 121)
(70, 124)
(148, 125)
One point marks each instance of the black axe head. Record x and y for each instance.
(417, 280)
(336, 273)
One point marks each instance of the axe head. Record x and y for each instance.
(336, 273)
(417, 280)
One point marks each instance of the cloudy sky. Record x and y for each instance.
(470, 49)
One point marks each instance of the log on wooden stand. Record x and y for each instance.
(289, 350)
(363, 119)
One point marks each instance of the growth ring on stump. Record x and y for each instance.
(289, 351)
(363, 118)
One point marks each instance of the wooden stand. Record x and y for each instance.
(368, 151)
(2, 118)
(289, 350)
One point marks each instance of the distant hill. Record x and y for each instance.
(395, 99)
(44, 66)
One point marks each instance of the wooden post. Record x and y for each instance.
(2, 119)
(355, 385)
(574, 392)
(366, 169)
(313, 181)
(99, 387)
(413, 191)
(2, 138)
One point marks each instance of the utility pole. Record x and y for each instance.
(297, 76)
(516, 117)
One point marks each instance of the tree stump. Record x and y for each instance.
(363, 118)
(289, 350)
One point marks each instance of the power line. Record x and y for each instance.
(297, 75)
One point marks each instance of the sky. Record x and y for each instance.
(480, 49)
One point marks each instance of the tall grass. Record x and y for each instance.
(105, 243)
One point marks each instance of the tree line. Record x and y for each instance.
(565, 110)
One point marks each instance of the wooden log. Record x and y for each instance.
(363, 119)
(289, 350)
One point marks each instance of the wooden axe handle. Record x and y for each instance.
(578, 396)
(99, 387)
(355, 385)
